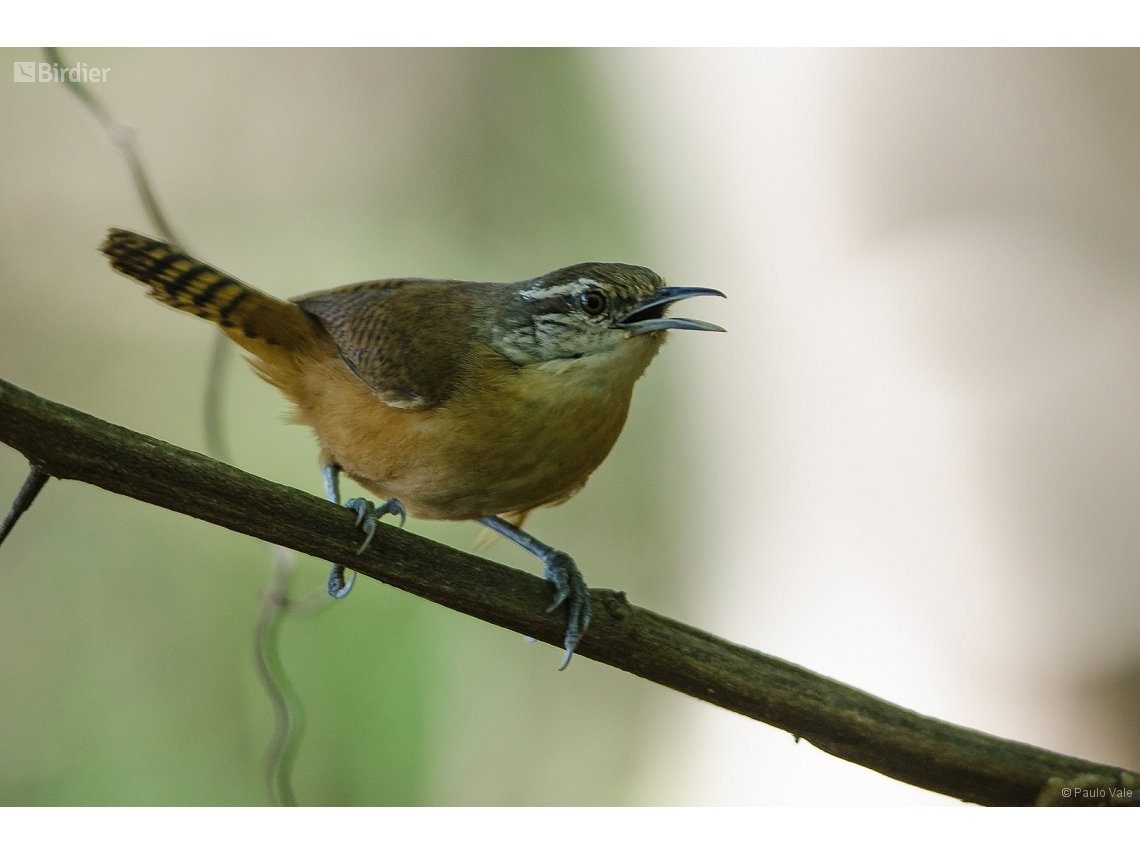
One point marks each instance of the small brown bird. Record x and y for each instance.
(449, 400)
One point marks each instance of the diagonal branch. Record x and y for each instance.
(839, 719)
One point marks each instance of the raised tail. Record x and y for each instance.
(255, 320)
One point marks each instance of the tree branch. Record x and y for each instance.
(839, 719)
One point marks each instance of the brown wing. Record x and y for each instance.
(406, 339)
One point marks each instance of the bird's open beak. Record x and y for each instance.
(650, 315)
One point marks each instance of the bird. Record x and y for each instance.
(447, 400)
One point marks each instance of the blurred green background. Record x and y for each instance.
(126, 630)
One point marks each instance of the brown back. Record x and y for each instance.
(407, 339)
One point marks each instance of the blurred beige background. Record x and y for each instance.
(917, 445)
(909, 465)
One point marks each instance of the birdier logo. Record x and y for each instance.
(53, 72)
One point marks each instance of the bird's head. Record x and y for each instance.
(587, 309)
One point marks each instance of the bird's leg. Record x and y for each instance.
(32, 485)
(367, 515)
(563, 572)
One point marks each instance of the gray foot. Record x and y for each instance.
(570, 588)
(367, 516)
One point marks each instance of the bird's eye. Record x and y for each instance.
(592, 302)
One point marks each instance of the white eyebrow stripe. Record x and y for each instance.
(542, 292)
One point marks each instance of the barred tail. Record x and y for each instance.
(250, 317)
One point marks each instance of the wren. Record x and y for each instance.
(447, 400)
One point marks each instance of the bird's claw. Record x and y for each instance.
(367, 516)
(338, 587)
(569, 587)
